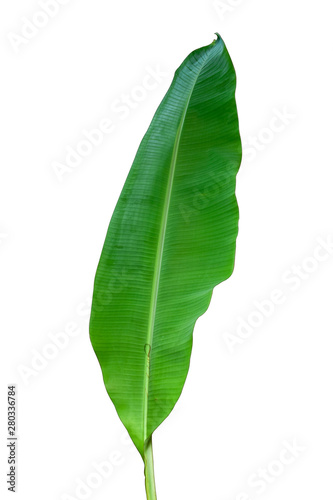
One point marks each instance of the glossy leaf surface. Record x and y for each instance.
(170, 241)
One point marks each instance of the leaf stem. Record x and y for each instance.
(149, 470)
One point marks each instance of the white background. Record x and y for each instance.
(239, 406)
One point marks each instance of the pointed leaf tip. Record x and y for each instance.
(219, 38)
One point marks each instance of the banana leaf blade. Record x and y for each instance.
(170, 241)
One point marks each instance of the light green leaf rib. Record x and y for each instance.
(171, 239)
(159, 256)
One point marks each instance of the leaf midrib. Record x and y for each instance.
(159, 255)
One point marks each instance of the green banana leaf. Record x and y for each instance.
(170, 241)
